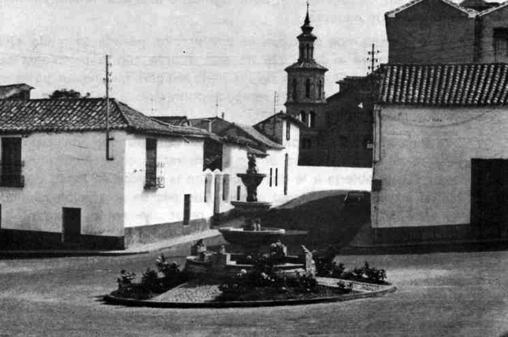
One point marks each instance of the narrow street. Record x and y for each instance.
(445, 294)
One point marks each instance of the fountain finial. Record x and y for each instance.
(252, 163)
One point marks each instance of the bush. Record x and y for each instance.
(151, 282)
(327, 267)
(172, 275)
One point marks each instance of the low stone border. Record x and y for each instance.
(380, 291)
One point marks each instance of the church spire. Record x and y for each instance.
(307, 19)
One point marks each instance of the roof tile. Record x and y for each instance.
(85, 114)
(444, 84)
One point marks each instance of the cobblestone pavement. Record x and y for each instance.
(190, 292)
(445, 294)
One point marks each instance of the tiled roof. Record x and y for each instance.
(444, 84)
(86, 114)
(286, 116)
(494, 8)
(259, 137)
(174, 120)
(306, 65)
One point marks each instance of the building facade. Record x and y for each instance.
(441, 31)
(441, 160)
(61, 186)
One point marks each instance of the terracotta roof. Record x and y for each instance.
(468, 11)
(85, 114)
(258, 136)
(173, 120)
(306, 65)
(494, 8)
(286, 116)
(444, 84)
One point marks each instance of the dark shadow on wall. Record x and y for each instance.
(328, 220)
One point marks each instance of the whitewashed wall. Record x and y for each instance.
(322, 178)
(425, 162)
(67, 170)
(182, 170)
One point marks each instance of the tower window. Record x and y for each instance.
(500, 43)
(320, 89)
(312, 119)
(307, 88)
(294, 92)
(303, 117)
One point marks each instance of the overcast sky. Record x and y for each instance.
(174, 57)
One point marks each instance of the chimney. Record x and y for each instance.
(15, 91)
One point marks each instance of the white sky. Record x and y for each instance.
(174, 57)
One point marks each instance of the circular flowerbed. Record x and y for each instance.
(263, 285)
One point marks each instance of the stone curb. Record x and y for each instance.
(247, 304)
(142, 249)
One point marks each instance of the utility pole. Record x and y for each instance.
(374, 60)
(275, 98)
(217, 106)
(107, 80)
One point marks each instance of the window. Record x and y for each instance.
(225, 187)
(151, 164)
(186, 209)
(208, 187)
(276, 176)
(306, 143)
(307, 88)
(320, 90)
(294, 91)
(500, 43)
(238, 192)
(11, 163)
(271, 171)
(312, 119)
(303, 117)
(288, 130)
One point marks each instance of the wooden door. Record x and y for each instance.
(71, 219)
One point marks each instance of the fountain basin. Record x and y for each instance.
(265, 236)
(247, 207)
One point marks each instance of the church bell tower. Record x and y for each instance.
(306, 79)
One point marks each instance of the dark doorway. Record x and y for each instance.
(11, 162)
(71, 225)
(489, 196)
(186, 209)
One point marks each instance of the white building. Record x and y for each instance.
(275, 141)
(441, 153)
(59, 187)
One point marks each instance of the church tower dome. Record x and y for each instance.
(306, 78)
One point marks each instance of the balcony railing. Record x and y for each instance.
(10, 174)
(153, 182)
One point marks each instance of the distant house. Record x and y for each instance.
(441, 31)
(276, 149)
(441, 154)
(59, 188)
(15, 91)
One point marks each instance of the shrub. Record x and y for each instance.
(125, 279)
(172, 275)
(150, 281)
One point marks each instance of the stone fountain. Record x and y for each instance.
(251, 180)
(252, 238)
